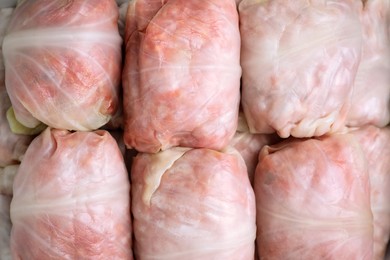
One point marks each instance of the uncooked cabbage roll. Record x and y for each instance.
(192, 204)
(313, 200)
(71, 199)
(299, 60)
(181, 79)
(63, 63)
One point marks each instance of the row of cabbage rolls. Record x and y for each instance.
(183, 129)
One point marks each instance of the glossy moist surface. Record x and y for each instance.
(192, 204)
(182, 74)
(71, 199)
(313, 200)
(371, 97)
(63, 62)
(376, 146)
(299, 60)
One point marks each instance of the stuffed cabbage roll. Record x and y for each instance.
(63, 63)
(376, 146)
(192, 204)
(313, 200)
(181, 78)
(12, 146)
(71, 199)
(5, 228)
(299, 60)
(371, 97)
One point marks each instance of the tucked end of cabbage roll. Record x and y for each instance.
(17, 128)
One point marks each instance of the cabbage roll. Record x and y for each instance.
(313, 200)
(71, 199)
(299, 60)
(63, 63)
(181, 79)
(192, 204)
(371, 97)
(376, 146)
